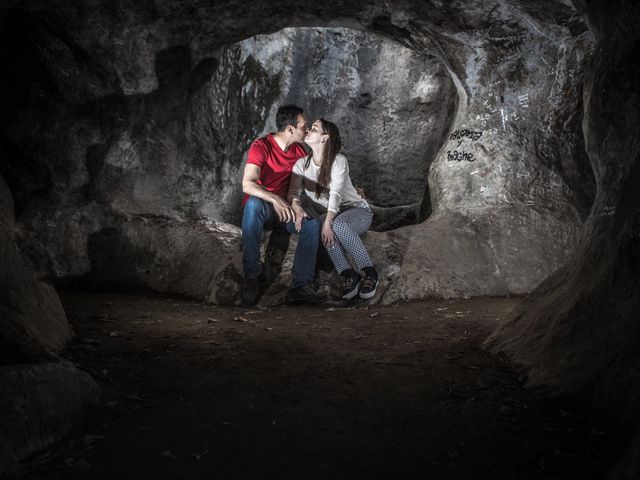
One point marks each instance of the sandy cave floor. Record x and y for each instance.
(196, 391)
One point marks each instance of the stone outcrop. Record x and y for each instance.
(189, 258)
(34, 325)
(42, 397)
(39, 404)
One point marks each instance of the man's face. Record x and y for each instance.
(300, 131)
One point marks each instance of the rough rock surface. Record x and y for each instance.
(39, 404)
(539, 158)
(33, 322)
(191, 258)
(578, 332)
(40, 401)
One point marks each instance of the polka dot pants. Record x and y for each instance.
(347, 227)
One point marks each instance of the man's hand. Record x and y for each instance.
(327, 235)
(283, 209)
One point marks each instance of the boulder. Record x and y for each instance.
(39, 404)
(34, 325)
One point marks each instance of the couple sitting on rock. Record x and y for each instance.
(331, 209)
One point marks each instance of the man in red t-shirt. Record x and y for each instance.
(265, 183)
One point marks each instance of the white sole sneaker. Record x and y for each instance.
(368, 295)
(353, 293)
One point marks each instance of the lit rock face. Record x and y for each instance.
(512, 182)
(393, 105)
(147, 112)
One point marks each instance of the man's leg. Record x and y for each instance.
(256, 214)
(304, 263)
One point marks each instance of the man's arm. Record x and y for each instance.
(250, 186)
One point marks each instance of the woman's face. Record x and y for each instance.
(316, 134)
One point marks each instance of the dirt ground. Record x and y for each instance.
(195, 391)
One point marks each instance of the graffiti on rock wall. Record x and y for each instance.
(502, 107)
(483, 118)
(523, 100)
(457, 156)
(461, 134)
(608, 211)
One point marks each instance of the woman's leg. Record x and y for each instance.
(347, 227)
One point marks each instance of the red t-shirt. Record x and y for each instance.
(275, 164)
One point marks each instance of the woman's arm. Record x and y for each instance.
(339, 176)
(295, 183)
(327, 235)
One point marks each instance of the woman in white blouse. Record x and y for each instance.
(324, 177)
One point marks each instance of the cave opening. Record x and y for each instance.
(394, 107)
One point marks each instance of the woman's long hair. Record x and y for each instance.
(332, 147)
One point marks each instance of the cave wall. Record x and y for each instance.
(512, 185)
(102, 133)
(539, 166)
(578, 331)
(42, 395)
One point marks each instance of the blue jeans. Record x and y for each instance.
(258, 216)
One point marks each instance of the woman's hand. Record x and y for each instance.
(300, 215)
(327, 235)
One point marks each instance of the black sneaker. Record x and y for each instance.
(303, 295)
(370, 283)
(350, 284)
(249, 293)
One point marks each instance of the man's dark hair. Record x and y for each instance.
(287, 115)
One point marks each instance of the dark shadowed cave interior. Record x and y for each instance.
(497, 143)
